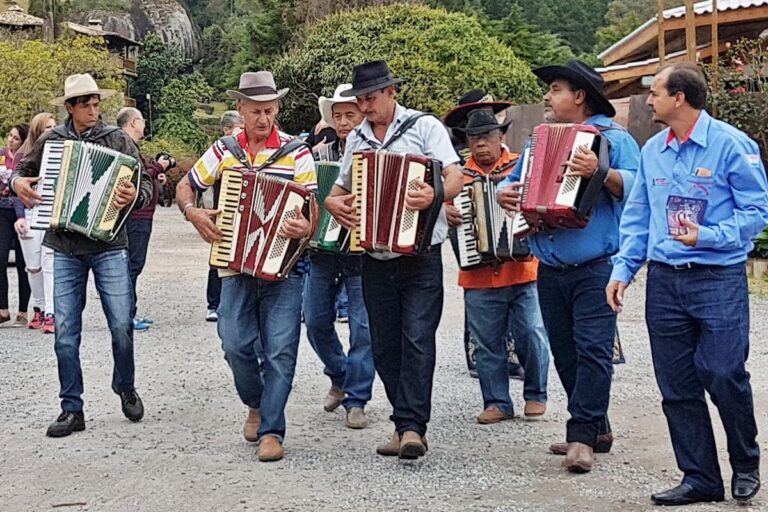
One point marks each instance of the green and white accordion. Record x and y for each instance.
(78, 182)
(330, 235)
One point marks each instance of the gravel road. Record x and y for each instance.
(188, 453)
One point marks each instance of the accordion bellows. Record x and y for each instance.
(330, 235)
(78, 182)
(252, 207)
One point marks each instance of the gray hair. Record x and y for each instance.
(231, 118)
(126, 115)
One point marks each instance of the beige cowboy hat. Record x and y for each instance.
(81, 85)
(258, 86)
(326, 104)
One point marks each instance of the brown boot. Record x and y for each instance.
(580, 458)
(391, 448)
(535, 410)
(252, 424)
(604, 443)
(270, 449)
(492, 415)
(412, 446)
(333, 400)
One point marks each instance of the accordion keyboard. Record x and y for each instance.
(53, 156)
(229, 199)
(466, 234)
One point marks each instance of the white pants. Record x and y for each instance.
(39, 262)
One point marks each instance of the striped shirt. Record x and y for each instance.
(298, 166)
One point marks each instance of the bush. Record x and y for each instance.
(441, 54)
(177, 106)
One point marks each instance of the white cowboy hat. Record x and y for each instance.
(326, 104)
(81, 85)
(258, 86)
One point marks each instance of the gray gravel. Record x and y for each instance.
(188, 453)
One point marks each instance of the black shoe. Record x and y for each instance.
(516, 372)
(133, 409)
(683, 494)
(744, 486)
(66, 423)
(473, 373)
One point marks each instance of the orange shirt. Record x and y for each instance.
(505, 274)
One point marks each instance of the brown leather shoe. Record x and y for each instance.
(412, 446)
(252, 424)
(492, 415)
(333, 400)
(534, 410)
(356, 418)
(391, 448)
(580, 458)
(604, 443)
(270, 449)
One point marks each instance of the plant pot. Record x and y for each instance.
(759, 268)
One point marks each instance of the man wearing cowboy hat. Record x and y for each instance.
(403, 295)
(575, 263)
(75, 255)
(505, 292)
(351, 374)
(253, 311)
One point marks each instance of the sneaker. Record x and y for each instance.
(49, 324)
(37, 319)
(139, 325)
(145, 320)
(66, 423)
(133, 408)
(211, 316)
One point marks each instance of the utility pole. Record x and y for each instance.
(149, 111)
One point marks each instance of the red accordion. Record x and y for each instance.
(252, 207)
(381, 180)
(550, 199)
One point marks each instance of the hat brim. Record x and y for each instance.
(458, 115)
(326, 108)
(366, 90)
(103, 95)
(549, 74)
(237, 95)
(479, 130)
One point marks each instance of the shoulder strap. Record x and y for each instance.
(234, 147)
(404, 127)
(292, 146)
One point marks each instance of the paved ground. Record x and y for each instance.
(188, 453)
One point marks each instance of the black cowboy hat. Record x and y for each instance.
(482, 121)
(369, 77)
(584, 77)
(472, 100)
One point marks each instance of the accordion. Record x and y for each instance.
(252, 206)
(487, 234)
(550, 199)
(78, 182)
(330, 235)
(380, 181)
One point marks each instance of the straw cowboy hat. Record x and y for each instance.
(258, 86)
(326, 104)
(81, 85)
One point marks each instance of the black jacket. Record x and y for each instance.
(109, 136)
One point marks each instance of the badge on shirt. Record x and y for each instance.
(660, 182)
(703, 172)
(753, 160)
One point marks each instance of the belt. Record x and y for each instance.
(684, 266)
(574, 266)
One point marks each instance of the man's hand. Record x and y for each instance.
(420, 199)
(614, 293)
(691, 235)
(509, 198)
(453, 215)
(21, 226)
(164, 162)
(124, 195)
(161, 178)
(583, 163)
(27, 194)
(295, 228)
(340, 207)
(202, 219)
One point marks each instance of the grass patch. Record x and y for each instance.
(758, 287)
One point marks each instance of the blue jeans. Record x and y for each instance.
(404, 298)
(139, 232)
(70, 280)
(254, 312)
(581, 328)
(353, 372)
(698, 323)
(489, 313)
(342, 299)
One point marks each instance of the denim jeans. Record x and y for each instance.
(698, 323)
(139, 232)
(70, 281)
(342, 299)
(352, 372)
(489, 313)
(581, 328)
(404, 298)
(253, 312)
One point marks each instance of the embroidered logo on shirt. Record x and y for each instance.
(754, 160)
(660, 182)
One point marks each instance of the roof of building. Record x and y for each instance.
(97, 32)
(16, 17)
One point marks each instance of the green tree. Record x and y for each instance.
(576, 21)
(178, 101)
(441, 54)
(159, 63)
(624, 16)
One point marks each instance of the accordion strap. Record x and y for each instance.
(404, 127)
(234, 147)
